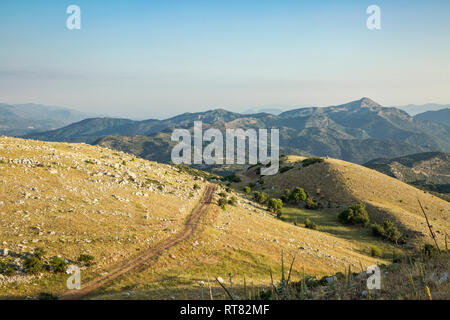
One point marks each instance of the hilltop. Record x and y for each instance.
(337, 184)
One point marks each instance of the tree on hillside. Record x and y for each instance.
(275, 205)
(356, 214)
(298, 195)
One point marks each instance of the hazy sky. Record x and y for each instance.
(145, 59)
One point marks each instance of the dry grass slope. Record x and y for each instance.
(73, 199)
(342, 183)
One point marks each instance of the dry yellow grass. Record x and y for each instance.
(58, 184)
(342, 183)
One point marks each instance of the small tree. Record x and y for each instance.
(356, 215)
(222, 203)
(311, 204)
(260, 197)
(310, 224)
(275, 205)
(298, 195)
(233, 201)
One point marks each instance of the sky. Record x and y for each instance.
(154, 59)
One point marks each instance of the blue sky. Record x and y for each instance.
(146, 59)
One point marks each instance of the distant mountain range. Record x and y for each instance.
(414, 109)
(20, 119)
(357, 131)
(440, 116)
(429, 171)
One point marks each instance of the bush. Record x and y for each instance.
(252, 184)
(311, 204)
(232, 178)
(33, 265)
(387, 231)
(86, 259)
(310, 224)
(260, 197)
(7, 270)
(196, 186)
(58, 264)
(356, 215)
(222, 203)
(310, 161)
(375, 252)
(233, 201)
(275, 205)
(247, 189)
(297, 195)
(287, 192)
(39, 253)
(429, 250)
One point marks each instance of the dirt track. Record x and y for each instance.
(189, 228)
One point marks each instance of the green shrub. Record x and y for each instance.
(222, 203)
(58, 264)
(86, 259)
(356, 215)
(260, 197)
(247, 189)
(375, 252)
(232, 178)
(429, 250)
(39, 253)
(310, 224)
(287, 192)
(387, 231)
(33, 265)
(275, 205)
(7, 270)
(233, 201)
(196, 186)
(310, 161)
(297, 195)
(311, 204)
(252, 184)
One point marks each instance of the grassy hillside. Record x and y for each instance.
(337, 184)
(74, 199)
(429, 171)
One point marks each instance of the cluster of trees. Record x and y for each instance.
(357, 215)
(297, 196)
